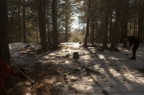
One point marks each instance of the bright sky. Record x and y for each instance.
(75, 24)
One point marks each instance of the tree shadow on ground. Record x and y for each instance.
(61, 75)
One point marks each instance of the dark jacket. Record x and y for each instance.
(133, 40)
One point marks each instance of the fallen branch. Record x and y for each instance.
(21, 72)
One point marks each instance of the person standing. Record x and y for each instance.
(133, 45)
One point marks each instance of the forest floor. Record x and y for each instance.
(96, 72)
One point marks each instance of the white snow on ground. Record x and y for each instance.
(23, 53)
(123, 57)
(116, 74)
(18, 46)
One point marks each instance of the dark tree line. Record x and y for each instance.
(48, 22)
(40, 21)
(110, 21)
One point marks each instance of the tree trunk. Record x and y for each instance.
(124, 22)
(111, 27)
(19, 20)
(105, 29)
(42, 27)
(88, 24)
(92, 33)
(4, 49)
(140, 19)
(24, 29)
(54, 24)
(116, 30)
(66, 28)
